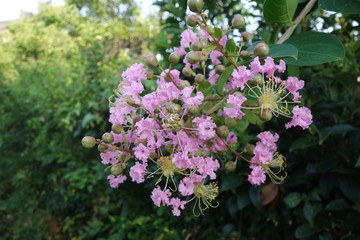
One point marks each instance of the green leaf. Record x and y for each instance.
(209, 47)
(255, 196)
(242, 200)
(218, 33)
(280, 11)
(293, 199)
(293, 70)
(230, 181)
(302, 142)
(230, 46)
(315, 48)
(305, 231)
(283, 51)
(337, 205)
(223, 79)
(343, 6)
(310, 211)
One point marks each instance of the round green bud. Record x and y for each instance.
(238, 21)
(230, 166)
(246, 36)
(173, 108)
(230, 122)
(188, 72)
(261, 49)
(184, 84)
(257, 80)
(244, 53)
(107, 137)
(219, 69)
(196, 5)
(193, 57)
(174, 58)
(210, 30)
(192, 20)
(151, 61)
(222, 131)
(169, 148)
(116, 169)
(102, 148)
(199, 78)
(116, 128)
(149, 74)
(192, 110)
(196, 46)
(249, 149)
(88, 141)
(265, 115)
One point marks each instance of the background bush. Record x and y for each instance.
(57, 70)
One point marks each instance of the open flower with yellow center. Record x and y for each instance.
(204, 195)
(278, 162)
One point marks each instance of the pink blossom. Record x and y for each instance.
(150, 101)
(179, 51)
(213, 77)
(301, 117)
(191, 101)
(269, 67)
(175, 74)
(119, 112)
(240, 76)
(109, 157)
(135, 73)
(115, 181)
(167, 92)
(186, 186)
(265, 148)
(177, 204)
(223, 41)
(188, 37)
(145, 127)
(257, 175)
(181, 160)
(158, 196)
(206, 35)
(214, 55)
(205, 127)
(293, 84)
(206, 166)
(142, 153)
(269, 139)
(137, 172)
(235, 111)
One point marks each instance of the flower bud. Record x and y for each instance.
(116, 128)
(88, 141)
(151, 61)
(153, 155)
(246, 36)
(136, 119)
(210, 30)
(107, 137)
(199, 78)
(265, 115)
(222, 131)
(230, 122)
(193, 57)
(196, 46)
(230, 166)
(168, 77)
(139, 141)
(169, 148)
(192, 110)
(238, 21)
(257, 80)
(173, 108)
(149, 74)
(188, 72)
(196, 5)
(184, 84)
(249, 149)
(116, 169)
(102, 148)
(244, 53)
(219, 69)
(192, 20)
(174, 58)
(261, 49)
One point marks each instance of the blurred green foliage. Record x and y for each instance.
(57, 69)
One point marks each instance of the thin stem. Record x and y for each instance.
(297, 20)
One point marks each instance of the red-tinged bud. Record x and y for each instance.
(196, 5)
(139, 141)
(117, 128)
(149, 74)
(192, 20)
(88, 141)
(265, 115)
(246, 36)
(230, 122)
(222, 131)
(257, 80)
(107, 137)
(168, 77)
(249, 149)
(199, 78)
(230, 166)
(116, 169)
(151, 61)
(136, 119)
(219, 69)
(188, 72)
(102, 148)
(174, 58)
(196, 46)
(238, 21)
(192, 110)
(184, 84)
(261, 49)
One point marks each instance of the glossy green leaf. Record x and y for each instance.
(302, 142)
(315, 48)
(305, 231)
(310, 211)
(343, 6)
(230, 181)
(283, 51)
(337, 205)
(293, 199)
(224, 78)
(230, 46)
(218, 33)
(280, 11)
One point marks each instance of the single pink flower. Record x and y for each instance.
(160, 197)
(257, 175)
(301, 117)
(137, 172)
(115, 181)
